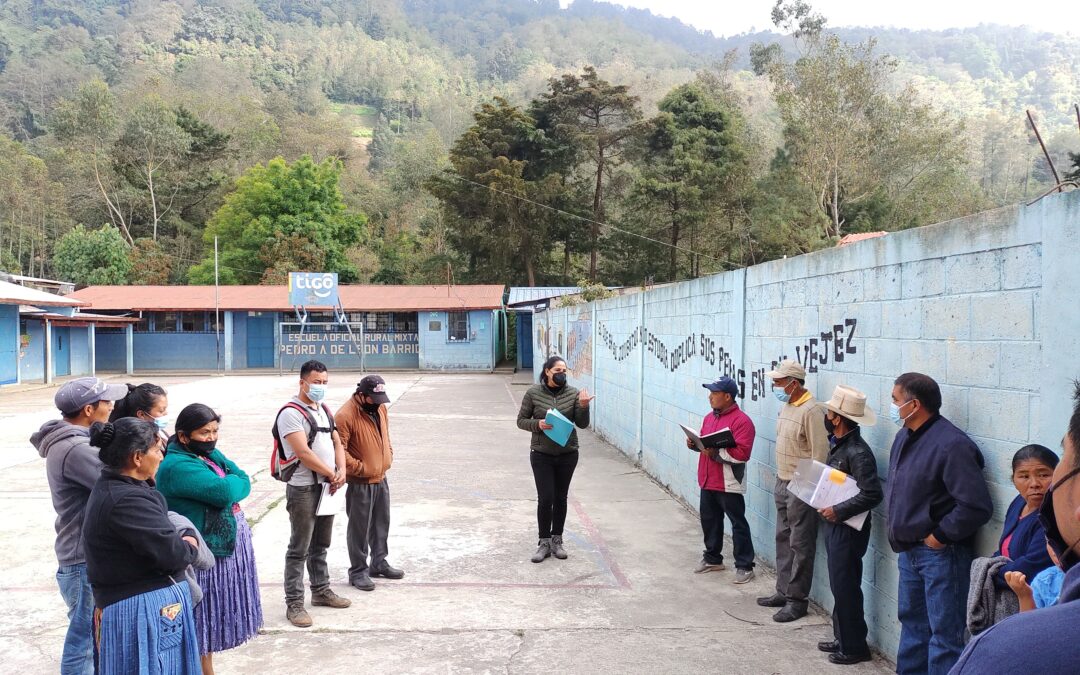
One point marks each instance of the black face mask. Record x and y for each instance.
(201, 448)
(1066, 556)
(830, 426)
(559, 379)
(370, 408)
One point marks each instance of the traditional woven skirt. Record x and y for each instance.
(230, 613)
(149, 634)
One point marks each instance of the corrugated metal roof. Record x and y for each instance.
(530, 294)
(354, 298)
(14, 294)
(858, 236)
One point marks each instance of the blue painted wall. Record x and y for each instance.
(9, 344)
(79, 354)
(984, 305)
(439, 353)
(110, 351)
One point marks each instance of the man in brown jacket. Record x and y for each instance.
(364, 428)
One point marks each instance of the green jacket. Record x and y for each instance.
(534, 406)
(195, 491)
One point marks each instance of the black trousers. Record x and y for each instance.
(713, 505)
(552, 474)
(846, 548)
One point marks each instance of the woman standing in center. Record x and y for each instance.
(202, 484)
(552, 464)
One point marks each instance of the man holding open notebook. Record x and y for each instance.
(722, 477)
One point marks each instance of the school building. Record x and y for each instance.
(44, 336)
(235, 328)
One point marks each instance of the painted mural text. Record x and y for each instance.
(344, 344)
(830, 346)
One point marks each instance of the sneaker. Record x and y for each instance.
(297, 615)
(743, 576)
(703, 567)
(363, 582)
(388, 572)
(328, 598)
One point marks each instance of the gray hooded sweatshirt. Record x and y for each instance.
(73, 466)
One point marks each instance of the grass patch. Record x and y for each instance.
(363, 132)
(354, 109)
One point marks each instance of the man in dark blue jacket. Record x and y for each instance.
(1045, 641)
(937, 500)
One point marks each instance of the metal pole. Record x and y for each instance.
(217, 308)
(1057, 181)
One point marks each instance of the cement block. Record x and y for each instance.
(1020, 365)
(924, 356)
(882, 283)
(1022, 267)
(998, 414)
(901, 319)
(923, 278)
(1003, 316)
(946, 318)
(974, 363)
(973, 272)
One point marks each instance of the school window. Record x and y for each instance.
(457, 327)
(192, 321)
(165, 322)
(144, 323)
(405, 322)
(213, 321)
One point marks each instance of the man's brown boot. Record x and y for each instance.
(297, 615)
(328, 598)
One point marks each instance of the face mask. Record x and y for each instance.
(161, 422)
(894, 413)
(316, 392)
(559, 379)
(781, 394)
(202, 448)
(830, 426)
(371, 408)
(1064, 552)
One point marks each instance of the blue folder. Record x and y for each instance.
(561, 427)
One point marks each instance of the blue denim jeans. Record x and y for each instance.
(932, 608)
(78, 656)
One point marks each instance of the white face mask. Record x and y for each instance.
(162, 422)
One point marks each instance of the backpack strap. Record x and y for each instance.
(330, 418)
(311, 424)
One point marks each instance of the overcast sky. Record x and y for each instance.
(724, 17)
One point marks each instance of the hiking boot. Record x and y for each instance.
(363, 582)
(297, 615)
(542, 551)
(774, 600)
(790, 612)
(388, 572)
(829, 646)
(706, 566)
(557, 549)
(743, 576)
(328, 598)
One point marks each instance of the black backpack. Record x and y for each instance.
(283, 468)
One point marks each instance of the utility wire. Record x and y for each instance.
(594, 222)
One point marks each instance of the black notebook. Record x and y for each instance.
(717, 439)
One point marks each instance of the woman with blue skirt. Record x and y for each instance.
(201, 483)
(135, 560)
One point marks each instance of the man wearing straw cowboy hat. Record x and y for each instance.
(845, 413)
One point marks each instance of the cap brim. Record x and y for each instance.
(710, 387)
(868, 419)
(114, 392)
(379, 398)
(775, 375)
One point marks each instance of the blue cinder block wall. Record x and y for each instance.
(437, 352)
(9, 344)
(985, 305)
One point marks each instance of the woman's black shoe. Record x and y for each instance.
(830, 646)
(842, 659)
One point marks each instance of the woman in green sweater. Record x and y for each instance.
(199, 482)
(552, 464)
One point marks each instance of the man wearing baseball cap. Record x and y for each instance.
(800, 433)
(72, 466)
(845, 413)
(722, 478)
(365, 432)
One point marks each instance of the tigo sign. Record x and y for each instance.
(313, 289)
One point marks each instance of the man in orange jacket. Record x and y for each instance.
(364, 429)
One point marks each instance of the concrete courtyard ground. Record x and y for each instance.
(462, 527)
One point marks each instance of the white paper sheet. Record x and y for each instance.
(331, 504)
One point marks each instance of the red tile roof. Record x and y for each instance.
(276, 298)
(859, 236)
